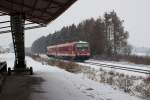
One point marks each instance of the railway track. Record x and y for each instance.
(138, 70)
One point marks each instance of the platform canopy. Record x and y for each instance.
(37, 11)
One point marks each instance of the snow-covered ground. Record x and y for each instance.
(61, 85)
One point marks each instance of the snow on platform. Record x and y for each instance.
(61, 85)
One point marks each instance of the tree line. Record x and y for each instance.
(106, 36)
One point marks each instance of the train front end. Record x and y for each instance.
(82, 51)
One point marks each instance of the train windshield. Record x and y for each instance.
(82, 46)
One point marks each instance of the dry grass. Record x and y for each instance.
(52, 62)
(35, 56)
(68, 66)
(147, 80)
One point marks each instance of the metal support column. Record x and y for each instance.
(17, 28)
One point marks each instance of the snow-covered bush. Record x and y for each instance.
(132, 84)
(146, 87)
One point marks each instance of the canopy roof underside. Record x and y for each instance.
(37, 11)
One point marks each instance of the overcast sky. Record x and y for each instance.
(135, 13)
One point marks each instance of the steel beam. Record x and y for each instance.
(40, 18)
(4, 22)
(17, 28)
(32, 8)
(27, 28)
(10, 26)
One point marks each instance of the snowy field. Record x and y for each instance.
(61, 85)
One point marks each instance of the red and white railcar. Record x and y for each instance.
(74, 50)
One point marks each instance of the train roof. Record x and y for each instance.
(82, 42)
(37, 11)
(66, 44)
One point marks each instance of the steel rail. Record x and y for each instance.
(120, 67)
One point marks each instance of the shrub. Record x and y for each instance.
(68, 66)
(147, 80)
